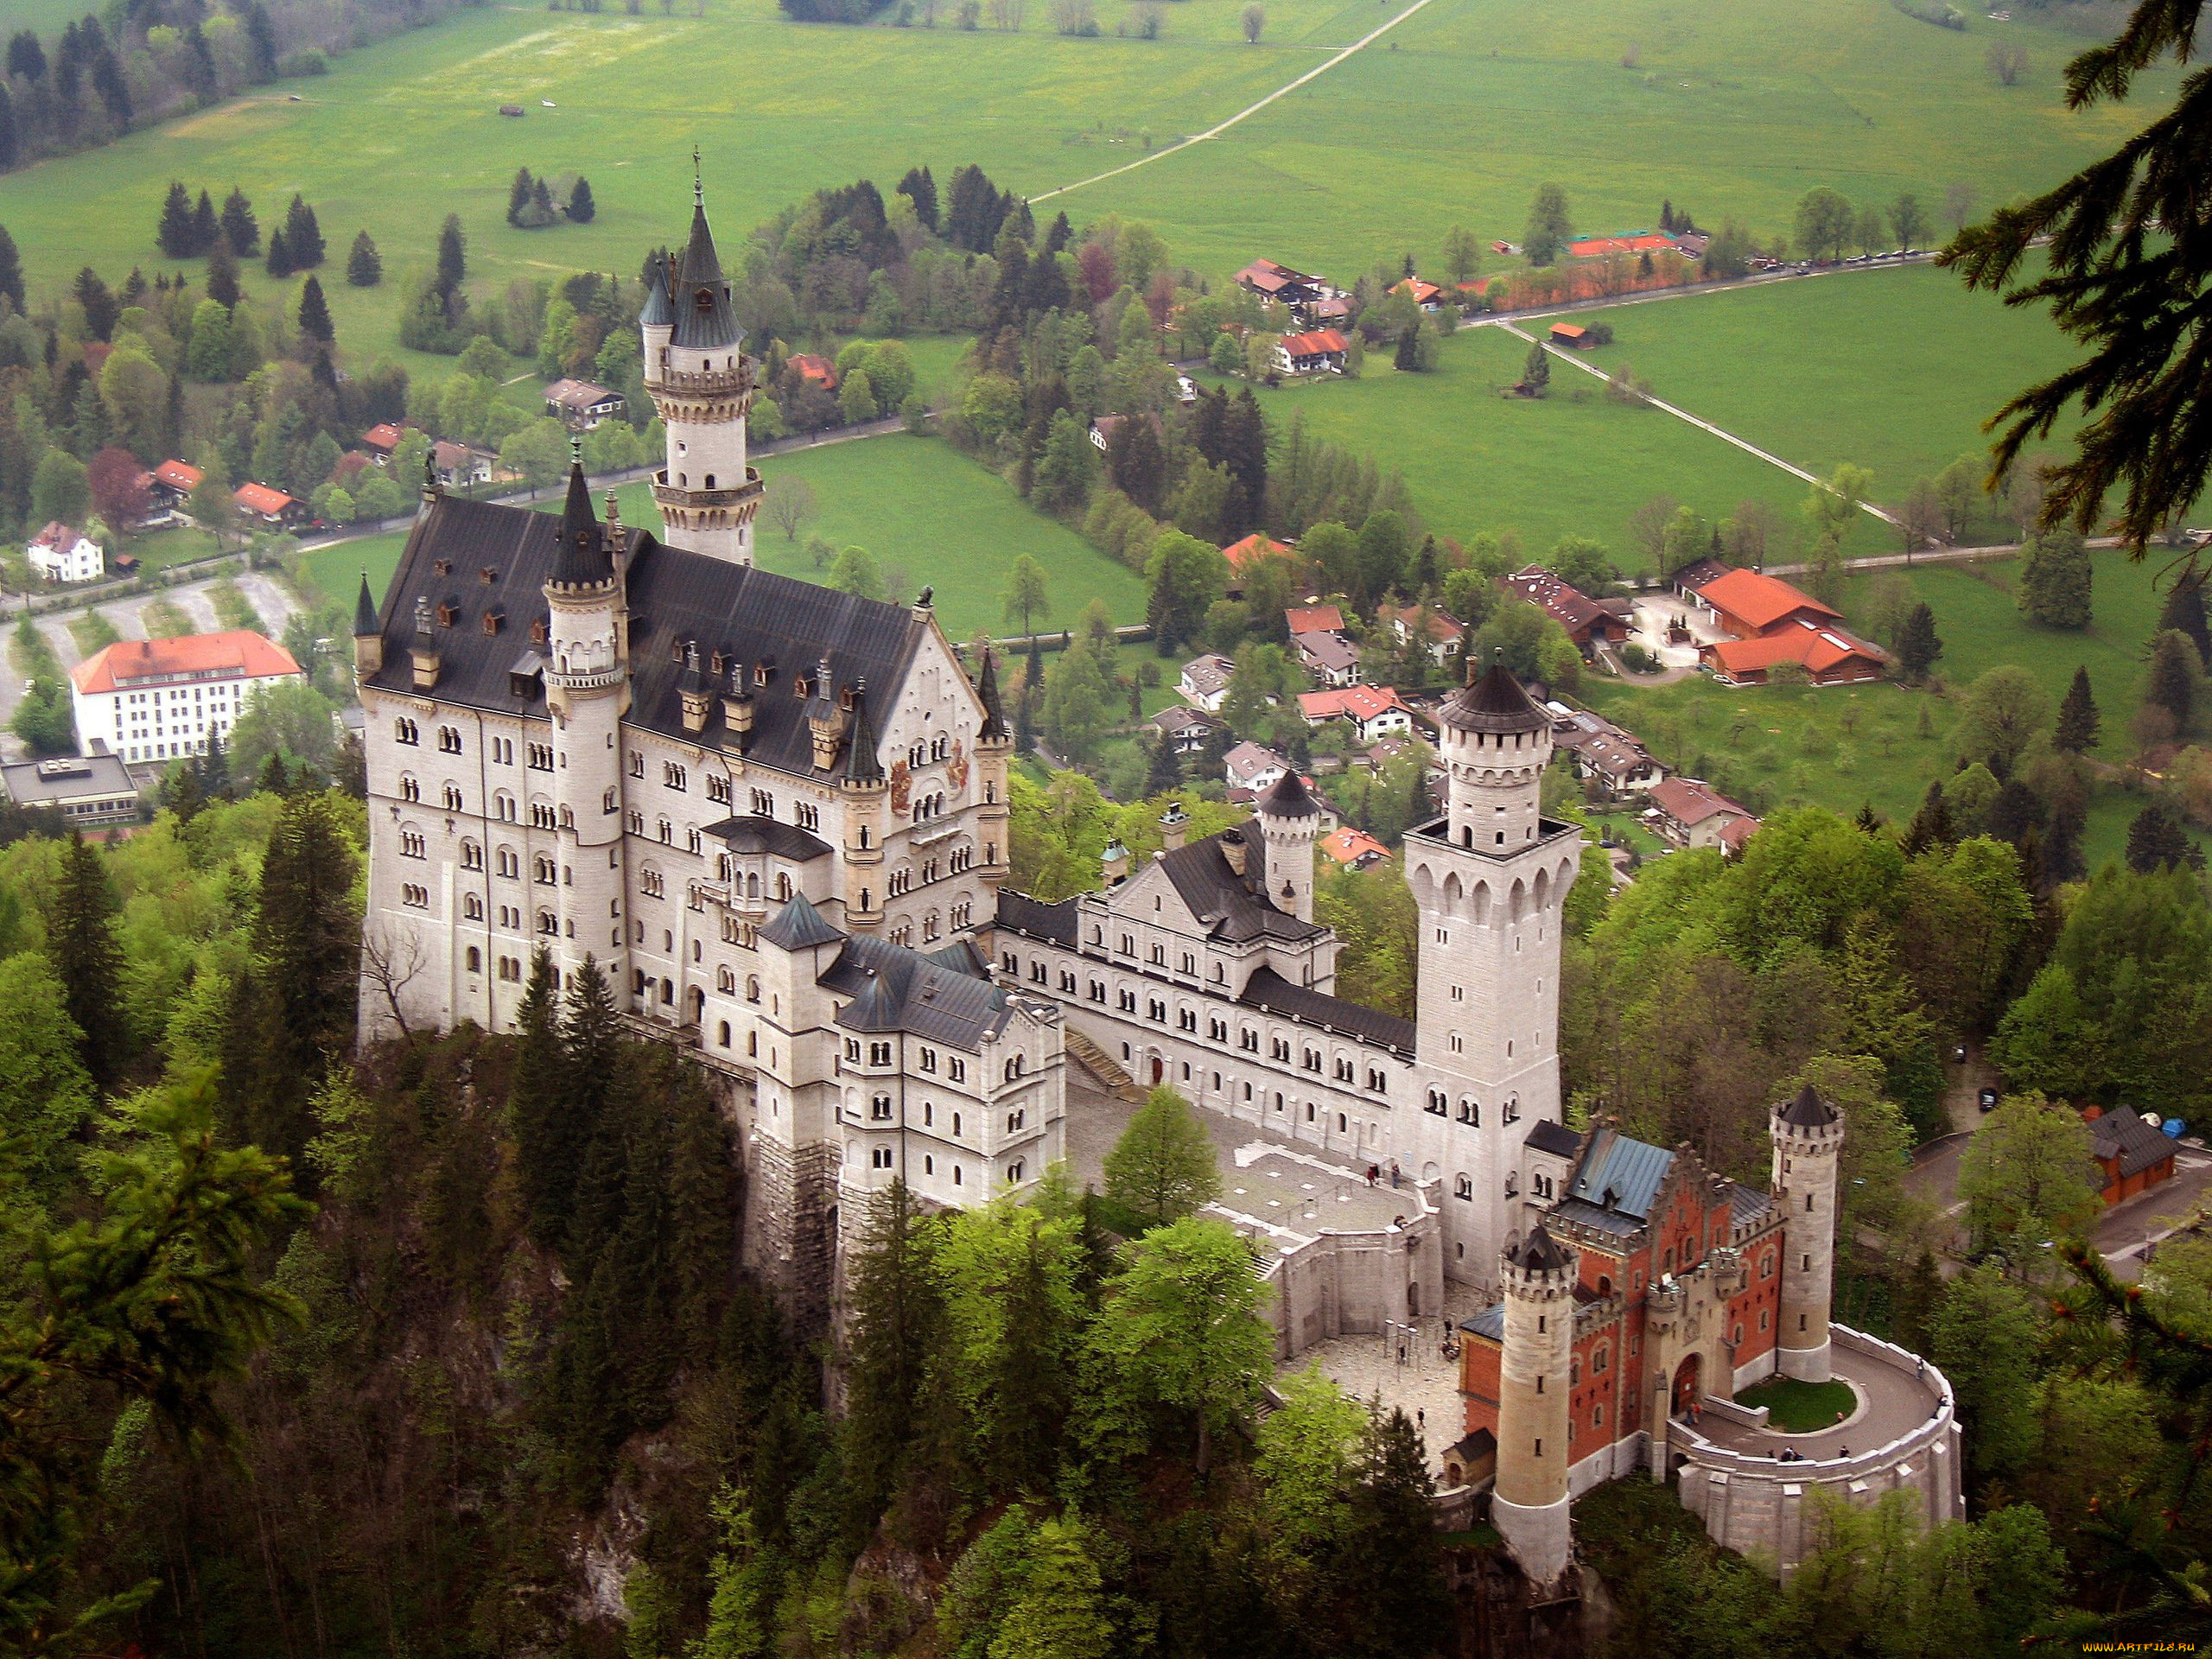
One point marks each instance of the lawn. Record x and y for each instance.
(1455, 117)
(1881, 745)
(1893, 369)
(1575, 463)
(927, 512)
(1796, 1407)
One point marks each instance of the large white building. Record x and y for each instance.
(156, 700)
(61, 553)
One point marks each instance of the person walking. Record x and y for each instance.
(1394, 1172)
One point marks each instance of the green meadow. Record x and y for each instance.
(1841, 748)
(928, 513)
(1893, 369)
(1453, 116)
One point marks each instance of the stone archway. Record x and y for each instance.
(1685, 1389)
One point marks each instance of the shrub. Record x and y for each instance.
(309, 62)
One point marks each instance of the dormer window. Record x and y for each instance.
(441, 567)
(487, 575)
(446, 615)
(763, 673)
(538, 632)
(492, 619)
(717, 663)
(801, 688)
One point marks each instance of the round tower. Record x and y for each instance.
(1495, 743)
(1808, 1133)
(1528, 1503)
(701, 382)
(1290, 822)
(588, 691)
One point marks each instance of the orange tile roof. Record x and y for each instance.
(259, 498)
(817, 369)
(383, 435)
(1419, 291)
(1820, 649)
(1689, 801)
(179, 476)
(1252, 548)
(1315, 618)
(1568, 330)
(1317, 344)
(1348, 845)
(240, 655)
(1756, 599)
(1360, 702)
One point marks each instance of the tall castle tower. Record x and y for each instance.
(701, 382)
(587, 692)
(1491, 879)
(1808, 1136)
(1529, 1504)
(1290, 822)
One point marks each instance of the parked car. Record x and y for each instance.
(1988, 1100)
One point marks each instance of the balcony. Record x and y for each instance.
(678, 495)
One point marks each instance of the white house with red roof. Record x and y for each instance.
(1353, 848)
(382, 439)
(1694, 814)
(174, 480)
(269, 505)
(62, 553)
(1321, 351)
(155, 700)
(1374, 711)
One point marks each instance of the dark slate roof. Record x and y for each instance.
(1269, 991)
(1287, 798)
(1630, 1171)
(748, 834)
(1473, 1449)
(1554, 1138)
(1490, 1323)
(1597, 1219)
(2121, 1134)
(993, 728)
(1037, 918)
(961, 957)
(1809, 1111)
(659, 312)
(1539, 1252)
(705, 316)
(584, 559)
(894, 988)
(862, 764)
(1746, 1205)
(797, 926)
(676, 598)
(1232, 906)
(1495, 702)
(365, 612)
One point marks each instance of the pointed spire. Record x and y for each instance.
(659, 313)
(1288, 797)
(365, 612)
(581, 560)
(992, 729)
(862, 766)
(705, 318)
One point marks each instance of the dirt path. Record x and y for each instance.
(1218, 128)
(1679, 414)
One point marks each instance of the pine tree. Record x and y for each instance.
(223, 278)
(919, 188)
(364, 266)
(80, 938)
(304, 235)
(1930, 826)
(546, 1160)
(2077, 717)
(26, 57)
(184, 791)
(206, 227)
(11, 272)
(279, 258)
(2062, 860)
(100, 309)
(541, 203)
(1536, 371)
(453, 257)
(261, 41)
(240, 228)
(215, 769)
(2174, 671)
(582, 208)
(314, 313)
(896, 1311)
(1390, 1550)
(1406, 357)
(1165, 771)
(2157, 840)
(173, 235)
(11, 138)
(591, 1047)
(1917, 645)
(519, 196)
(2183, 613)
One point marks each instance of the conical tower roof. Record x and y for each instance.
(704, 316)
(1810, 1111)
(659, 312)
(992, 729)
(1494, 703)
(1539, 1252)
(582, 560)
(862, 765)
(365, 612)
(1288, 797)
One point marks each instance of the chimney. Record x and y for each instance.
(426, 647)
(826, 714)
(618, 533)
(1174, 824)
(1233, 849)
(1115, 866)
(737, 709)
(698, 701)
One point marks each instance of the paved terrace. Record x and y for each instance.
(1894, 1399)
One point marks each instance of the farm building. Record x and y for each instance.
(1424, 294)
(1774, 624)
(1573, 335)
(173, 480)
(460, 465)
(1589, 623)
(1313, 619)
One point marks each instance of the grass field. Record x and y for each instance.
(1455, 117)
(927, 512)
(1575, 463)
(1843, 748)
(1796, 1407)
(1893, 369)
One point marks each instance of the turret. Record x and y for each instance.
(867, 793)
(1529, 1504)
(1290, 823)
(1808, 1135)
(1495, 743)
(368, 635)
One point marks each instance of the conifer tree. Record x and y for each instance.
(223, 278)
(592, 1098)
(240, 228)
(304, 235)
(1930, 826)
(2174, 671)
(11, 272)
(581, 207)
(1536, 371)
(1390, 1548)
(541, 203)
(1165, 771)
(919, 188)
(545, 1152)
(314, 313)
(100, 309)
(206, 227)
(2077, 717)
(364, 265)
(2157, 840)
(453, 257)
(2062, 860)
(518, 195)
(12, 140)
(215, 769)
(80, 938)
(2183, 613)
(174, 233)
(1917, 645)
(278, 260)
(896, 1311)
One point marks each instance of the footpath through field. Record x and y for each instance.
(1703, 425)
(1218, 128)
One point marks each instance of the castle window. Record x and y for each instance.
(547, 924)
(1310, 1059)
(959, 1070)
(416, 897)
(929, 1059)
(1463, 1187)
(674, 777)
(637, 765)
(879, 1053)
(1129, 1000)
(807, 816)
(726, 981)
(1437, 1102)
(1249, 1040)
(1128, 944)
(653, 883)
(956, 1126)
(544, 870)
(449, 740)
(1187, 1018)
(411, 845)
(542, 815)
(452, 799)
(718, 790)
(510, 864)
(411, 788)
(1217, 1031)
(665, 831)
(472, 907)
(471, 855)
(503, 807)
(1097, 991)
(879, 1108)
(405, 731)
(879, 1157)
(1763, 1313)
(764, 803)
(541, 757)
(476, 960)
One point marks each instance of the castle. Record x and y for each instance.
(775, 817)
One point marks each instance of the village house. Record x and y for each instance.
(1321, 351)
(1104, 429)
(172, 482)
(2130, 1149)
(1204, 681)
(1444, 629)
(1353, 849)
(1589, 623)
(269, 506)
(1313, 619)
(1426, 295)
(1330, 659)
(581, 405)
(1280, 282)
(1184, 730)
(1251, 769)
(1605, 752)
(1772, 624)
(64, 553)
(1244, 555)
(381, 440)
(809, 366)
(460, 465)
(1691, 814)
(158, 699)
(1374, 711)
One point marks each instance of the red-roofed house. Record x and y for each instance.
(1249, 551)
(1354, 849)
(582, 404)
(1692, 814)
(1273, 282)
(1444, 629)
(382, 439)
(156, 699)
(808, 366)
(1829, 655)
(271, 506)
(1748, 603)
(1321, 351)
(459, 464)
(2133, 1153)
(1374, 711)
(1590, 623)
(1313, 619)
(174, 480)
(1426, 295)
(64, 553)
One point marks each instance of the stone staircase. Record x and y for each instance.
(1101, 1065)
